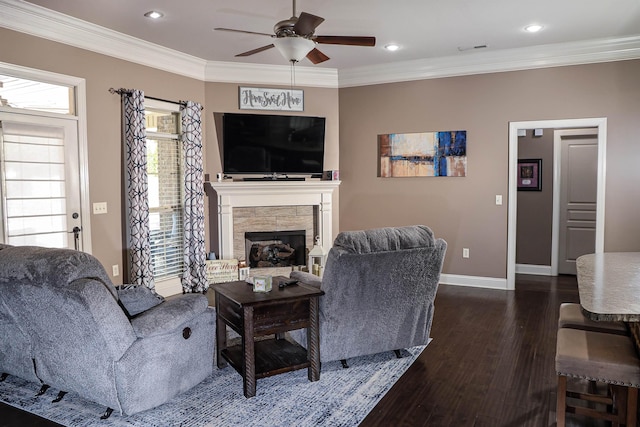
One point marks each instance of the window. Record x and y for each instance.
(27, 94)
(165, 177)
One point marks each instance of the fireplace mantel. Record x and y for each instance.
(233, 194)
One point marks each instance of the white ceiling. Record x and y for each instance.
(424, 29)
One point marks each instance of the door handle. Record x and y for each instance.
(76, 237)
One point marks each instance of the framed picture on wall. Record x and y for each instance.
(529, 174)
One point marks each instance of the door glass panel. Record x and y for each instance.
(27, 94)
(40, 171)
(51, 240)
(33, 167)
(33, 207)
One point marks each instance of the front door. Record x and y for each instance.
(39, 169)
(578, 196)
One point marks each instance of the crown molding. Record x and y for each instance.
(41, 22)
(38, 21)
(541, 56)
(31, 19)
(233, 72)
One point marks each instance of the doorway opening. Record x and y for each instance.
(600, 124)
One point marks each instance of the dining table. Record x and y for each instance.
(609, 288)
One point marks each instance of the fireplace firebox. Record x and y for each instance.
(275, 248)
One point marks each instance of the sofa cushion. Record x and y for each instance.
(135, 299)
(385, 239)
(50, 267)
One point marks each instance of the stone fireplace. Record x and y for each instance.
(245, 207)
(272, 219)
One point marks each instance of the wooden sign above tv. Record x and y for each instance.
(254, 98)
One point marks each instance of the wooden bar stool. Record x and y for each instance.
(602, 357)
(571, 317)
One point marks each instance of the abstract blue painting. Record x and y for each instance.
(423, 154)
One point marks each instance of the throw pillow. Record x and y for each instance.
(135, 299)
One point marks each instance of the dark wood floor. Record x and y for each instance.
(491, 362)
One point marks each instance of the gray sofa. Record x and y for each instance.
(63, 325)
(379, 286)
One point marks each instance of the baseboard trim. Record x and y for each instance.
(474, 281)
(168, 288)
(538, 270)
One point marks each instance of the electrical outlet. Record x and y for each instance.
(99, 208)
(116, 270)
(465, 252)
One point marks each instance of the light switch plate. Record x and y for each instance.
(99, 208)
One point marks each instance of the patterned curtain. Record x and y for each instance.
(138, 239)
(194, 278)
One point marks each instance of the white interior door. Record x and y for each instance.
(578, 196)
(39, 168)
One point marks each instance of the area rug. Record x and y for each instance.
(342, 397)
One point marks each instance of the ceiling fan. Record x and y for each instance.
(295, 38)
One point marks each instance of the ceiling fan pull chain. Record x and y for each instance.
(293, 74)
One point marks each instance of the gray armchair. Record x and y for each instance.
(379, 286)
(61, 309)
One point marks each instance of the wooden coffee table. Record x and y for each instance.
(257, 314)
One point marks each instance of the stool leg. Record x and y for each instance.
(561, 401)
(632, 405)
(619, 406)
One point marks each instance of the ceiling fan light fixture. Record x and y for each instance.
(294, 49)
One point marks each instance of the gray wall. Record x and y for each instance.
(463, 210)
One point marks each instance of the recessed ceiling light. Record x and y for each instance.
(392, 47)
(154, 14)
(533, 28)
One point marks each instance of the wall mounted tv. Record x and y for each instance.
(272, 144)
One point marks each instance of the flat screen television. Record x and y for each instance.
(272, 144)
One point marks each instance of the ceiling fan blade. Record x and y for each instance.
(346, 40)
(258, 50)
(307, 24)
(316, 56)
(242, 31)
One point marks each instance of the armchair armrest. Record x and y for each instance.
(307, 278)
(169, 315)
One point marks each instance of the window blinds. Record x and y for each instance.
(165, 177)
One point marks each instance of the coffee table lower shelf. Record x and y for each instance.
(272, 357)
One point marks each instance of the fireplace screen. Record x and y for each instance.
(275, 248)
